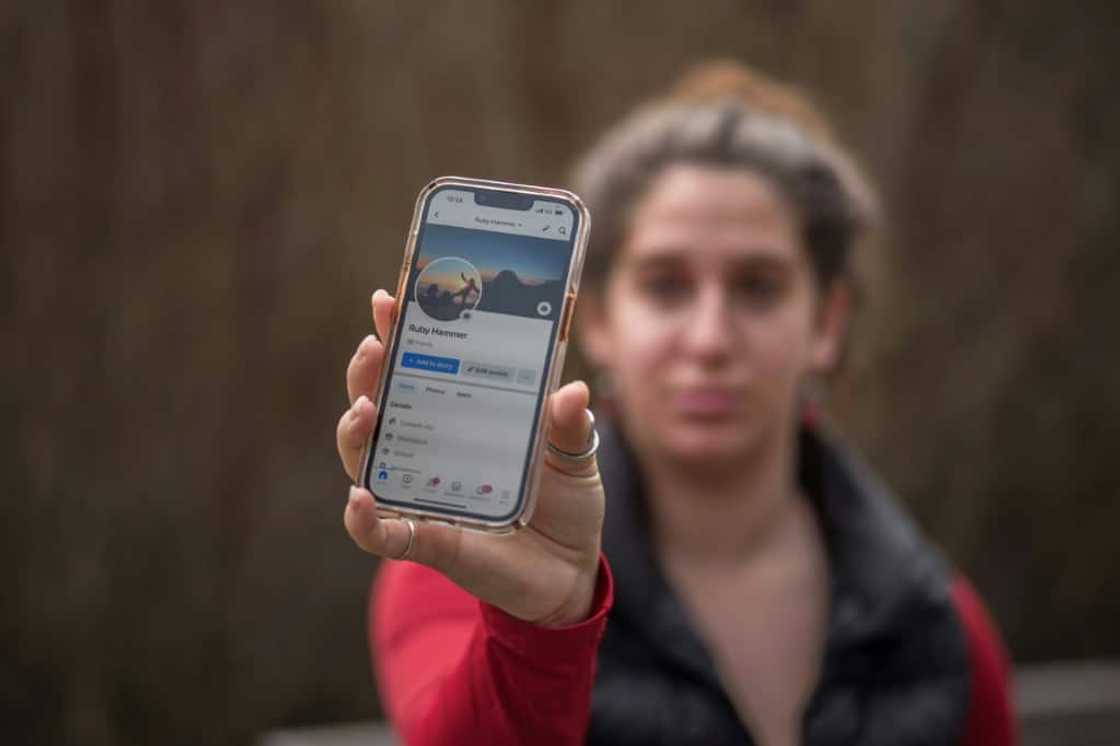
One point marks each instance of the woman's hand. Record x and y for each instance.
(544, 573)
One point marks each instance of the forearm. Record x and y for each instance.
(457, 671)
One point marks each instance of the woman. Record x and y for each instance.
(765, 588)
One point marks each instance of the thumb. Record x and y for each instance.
(570, 427)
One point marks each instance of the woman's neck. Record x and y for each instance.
(708, 515)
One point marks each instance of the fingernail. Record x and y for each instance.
(357, 494)
(363, 347)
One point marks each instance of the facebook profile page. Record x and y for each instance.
(482, 304)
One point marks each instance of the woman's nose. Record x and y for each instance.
(709, 331)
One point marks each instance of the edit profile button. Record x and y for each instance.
(431, 363)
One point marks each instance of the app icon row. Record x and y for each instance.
(435, 482)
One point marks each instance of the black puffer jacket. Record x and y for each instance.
(895, 670)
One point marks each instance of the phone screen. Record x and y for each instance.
(481, 309)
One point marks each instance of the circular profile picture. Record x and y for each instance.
(448, 288)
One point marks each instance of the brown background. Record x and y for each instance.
(198, 197)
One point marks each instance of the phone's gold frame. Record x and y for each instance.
(528, 496)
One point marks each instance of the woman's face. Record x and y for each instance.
(710, 318)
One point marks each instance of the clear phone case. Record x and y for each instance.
(527, 499)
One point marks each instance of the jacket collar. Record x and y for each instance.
(877, 558)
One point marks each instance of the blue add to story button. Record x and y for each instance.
(430, 362)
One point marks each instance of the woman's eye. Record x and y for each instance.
(758, 290)
(665, 289)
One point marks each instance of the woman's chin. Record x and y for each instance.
(710, 442)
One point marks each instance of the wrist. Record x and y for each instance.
(554, 648)
(579, 604)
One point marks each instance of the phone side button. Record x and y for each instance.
(566, 320)
(400, 283)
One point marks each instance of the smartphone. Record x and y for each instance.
(484, 305)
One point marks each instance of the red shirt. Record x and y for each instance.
(453, 670)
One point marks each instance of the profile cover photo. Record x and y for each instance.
(460, 271)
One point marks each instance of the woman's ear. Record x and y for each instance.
(593, 330)
(833, 318)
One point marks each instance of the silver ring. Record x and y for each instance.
(411, 541)
(584, 455)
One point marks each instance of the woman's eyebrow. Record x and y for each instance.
(770, 261)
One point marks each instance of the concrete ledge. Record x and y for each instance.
(1059, 704)
(341, 734)
(1071, 704)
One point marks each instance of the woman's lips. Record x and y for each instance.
(705, 402)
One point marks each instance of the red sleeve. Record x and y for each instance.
(990, 720)
(453, 670)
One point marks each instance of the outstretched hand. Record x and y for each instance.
(544, 573)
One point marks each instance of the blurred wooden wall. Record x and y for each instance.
(198, 197)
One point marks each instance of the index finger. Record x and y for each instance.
(384, 313)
